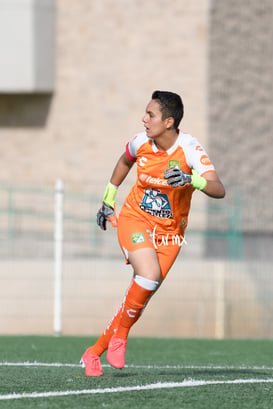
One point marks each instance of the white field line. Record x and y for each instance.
(153, 386)
(205, 367)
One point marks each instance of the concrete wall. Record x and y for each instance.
(110, 56)
(241, 103)
(27, 44)
(198, 299)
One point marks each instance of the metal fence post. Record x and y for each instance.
(58, 256)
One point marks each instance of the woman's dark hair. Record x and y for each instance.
(171, 105)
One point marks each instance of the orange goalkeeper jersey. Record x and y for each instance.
(151, 198)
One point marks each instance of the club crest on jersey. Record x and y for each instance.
(156, 203)
(174, 164)
(137, 238)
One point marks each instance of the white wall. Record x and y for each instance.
(27, 44)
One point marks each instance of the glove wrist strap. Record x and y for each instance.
(110, 195)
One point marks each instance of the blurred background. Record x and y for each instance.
(75, 78)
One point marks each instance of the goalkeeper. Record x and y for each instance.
(171, 165)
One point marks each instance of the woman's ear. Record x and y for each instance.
(169, 122)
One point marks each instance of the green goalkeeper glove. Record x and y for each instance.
(107, 211)
(177, 177)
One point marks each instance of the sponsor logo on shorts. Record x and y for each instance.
(137, 238)
(160, 240)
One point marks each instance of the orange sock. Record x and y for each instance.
(136, 299)
(102, 343)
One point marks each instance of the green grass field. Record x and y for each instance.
(44, 372)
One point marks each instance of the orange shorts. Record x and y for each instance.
(134, 234)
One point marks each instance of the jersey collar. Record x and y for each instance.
(171, 149)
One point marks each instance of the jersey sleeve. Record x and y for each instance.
(196, 156)
(129, 155)
(134, 144)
